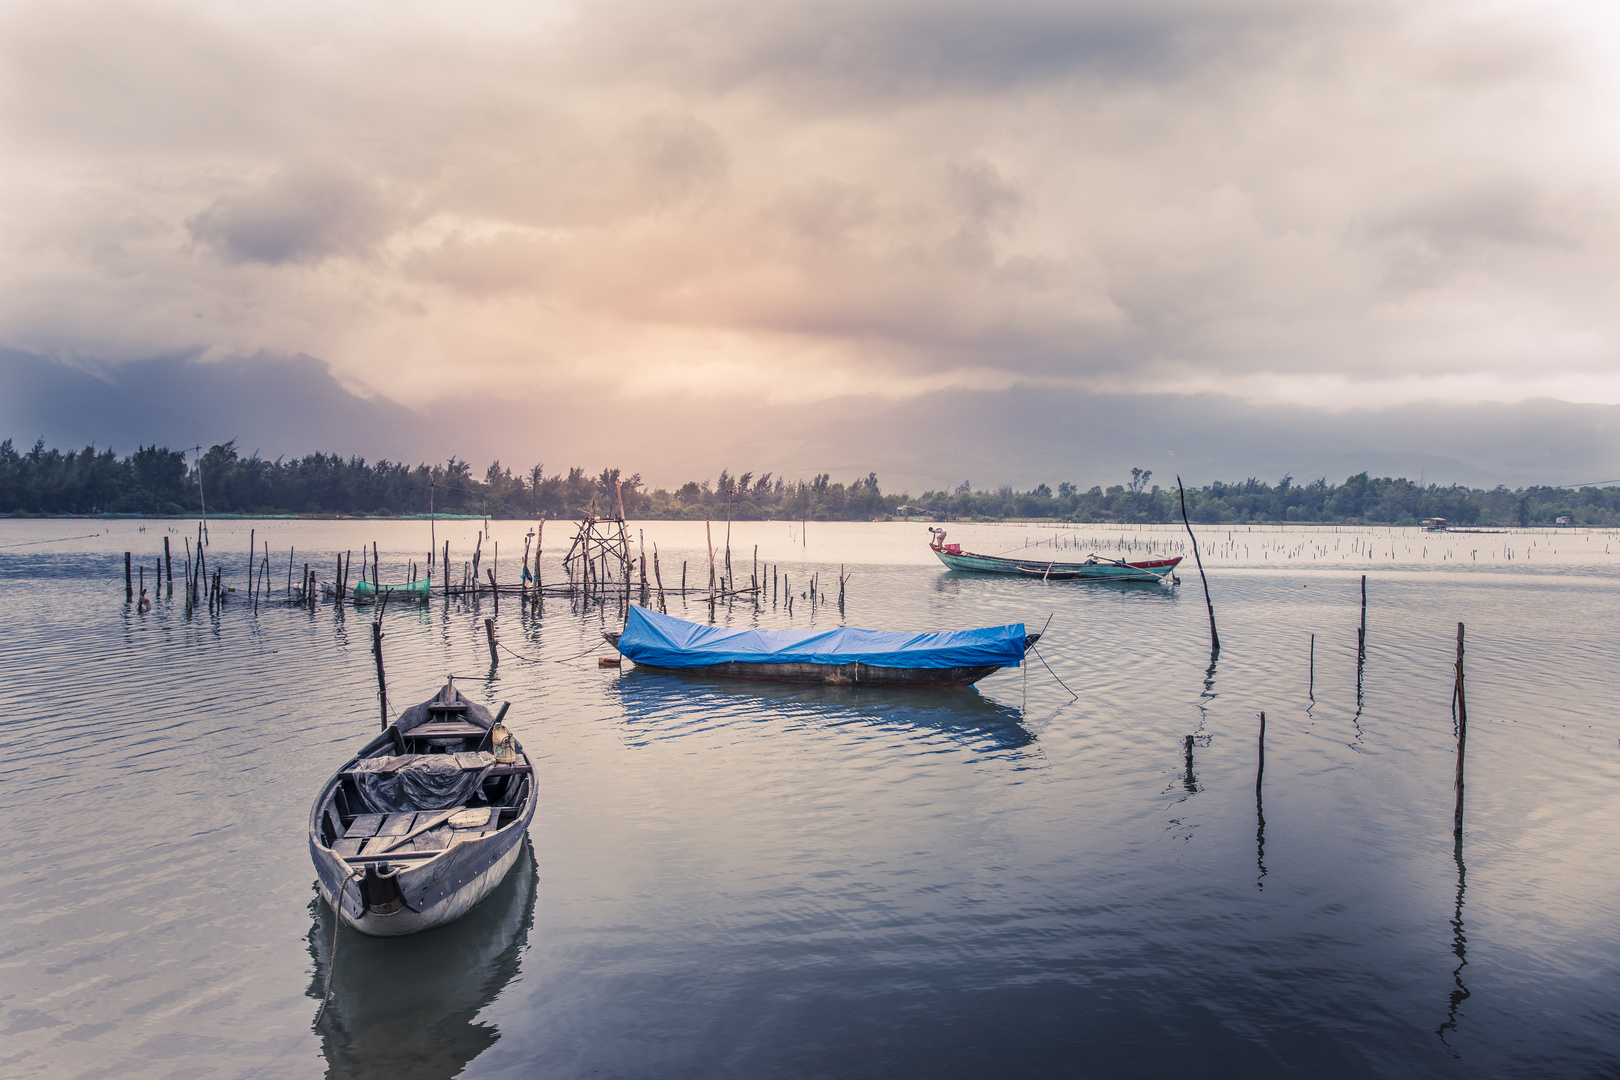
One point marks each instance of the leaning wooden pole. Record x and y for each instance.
(1214, 636)
(708, 531)
(1462, 736)
(382, 678)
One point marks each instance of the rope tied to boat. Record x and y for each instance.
(331, 957)
(1036, 650)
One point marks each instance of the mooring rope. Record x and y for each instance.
(331, 957)
(1036, 650)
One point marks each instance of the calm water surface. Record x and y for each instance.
(739, 880)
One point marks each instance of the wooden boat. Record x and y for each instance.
(420, 825)
(420, 589)
(842, 655)
(1095, 568)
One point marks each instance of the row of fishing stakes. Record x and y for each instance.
(1459, 710)
(599, 566)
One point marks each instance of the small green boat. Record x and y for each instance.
(1096, 568)
(365, 592)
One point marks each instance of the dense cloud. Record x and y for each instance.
(1331, 204)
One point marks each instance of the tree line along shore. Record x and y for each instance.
(158, 481)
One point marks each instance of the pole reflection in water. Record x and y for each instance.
(408, 1007)
(660, 704)
(1459, 948)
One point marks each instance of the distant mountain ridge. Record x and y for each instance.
(1022, 436)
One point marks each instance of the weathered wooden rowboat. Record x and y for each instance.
(1094, 568)
(419, 826)
(365, 592)
(842, 656)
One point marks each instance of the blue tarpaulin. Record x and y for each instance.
(663, 641)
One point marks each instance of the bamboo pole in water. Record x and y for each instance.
(659, 577)
(1462, 736)
(1313, 668)
(1214, 637)
(1362, 636)
(382, 679)
(202, 560)
(708, 531)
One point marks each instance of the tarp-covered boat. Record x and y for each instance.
(1096, 567)
(419, 826)
(839, 655)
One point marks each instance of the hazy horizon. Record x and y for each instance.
(936, 440)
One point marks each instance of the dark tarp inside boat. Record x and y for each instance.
(430, 782)
(664, 641)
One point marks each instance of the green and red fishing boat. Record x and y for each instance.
(1094, 568)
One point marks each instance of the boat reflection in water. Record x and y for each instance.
(663, 704)
(407, 1007)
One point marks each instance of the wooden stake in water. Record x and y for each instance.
(1313, 668)
(659, 578)
(168, 564)
(489, 632)
(1461, 706)
(1362, 637)
(129, 587)
(708, 532)
(1259, 808)
(1214, 637)
(382, 679)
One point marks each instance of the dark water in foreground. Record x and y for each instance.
(736, 880)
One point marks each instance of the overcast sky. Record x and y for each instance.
(1327, 204)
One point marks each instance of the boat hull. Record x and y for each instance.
(453, 906)
(852, 674)
(1154, 570)
(838, 674)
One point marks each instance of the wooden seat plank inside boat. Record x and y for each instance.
(364, 826)
(446, 729)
